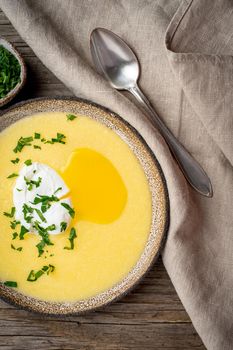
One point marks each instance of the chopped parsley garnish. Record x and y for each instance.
(71, 238)
(18, 249)
(45, 206)
(45, 201)
(11, 214)
(12, 175)
(30, 183)
(19, 190)
(12, 284)
(14, 235)
(9, 71)
(43, 232)
(70, 210)
(63, 226)
(60, 138)
(36, 147)
(71, 117)
(27, 211)
(23, 231)
(15, 161)
(22, 142)
(58, 189)
(28, 162)
(51, 227)
(41, 216)
(34, 275)
(27, 141)
(40, 246)
(14, 223)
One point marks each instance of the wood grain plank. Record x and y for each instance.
(150, 317)
(110, 315)
(73, 335)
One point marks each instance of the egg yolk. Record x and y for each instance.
(97, 190)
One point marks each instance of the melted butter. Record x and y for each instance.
(98, 192)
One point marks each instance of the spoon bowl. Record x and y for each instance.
(117, 63)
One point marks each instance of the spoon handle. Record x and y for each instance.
(189, 166)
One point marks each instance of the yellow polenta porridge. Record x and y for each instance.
(75, 207)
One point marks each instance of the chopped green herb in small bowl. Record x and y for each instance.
(12, 72)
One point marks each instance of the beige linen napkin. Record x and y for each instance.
(187, 72)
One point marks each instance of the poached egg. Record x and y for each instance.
(34, 181)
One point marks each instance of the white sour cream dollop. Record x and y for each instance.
(50, 184)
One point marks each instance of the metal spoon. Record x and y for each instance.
(114, 59)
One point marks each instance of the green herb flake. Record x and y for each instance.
(59, 139)
(45, 207)
(34, 275)
(14, 235)
(12, 175)
(43, 232)
(11, 284)
(15, 161)
(58, 189)
(45, 201)
(40, 247)
(36, 147)
(70, 210)
(11, 214)
(51, 228)
(36, 136)
(71, 117)
(27, 211)
(41, 216)
(14, 223)
(63, 226)
(71, 238)
(22, 142)
(23, 231)
(28, 162)
(18, 249)
(10, 71)
(31, 183)
(19, 190)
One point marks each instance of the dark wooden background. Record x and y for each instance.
(151, 317)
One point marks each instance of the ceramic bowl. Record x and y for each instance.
(158, 189)
(11, 94)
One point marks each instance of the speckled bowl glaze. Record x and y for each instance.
(11, 94)
(157, 184)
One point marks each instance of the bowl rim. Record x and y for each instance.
(23, 73)
(28, 303)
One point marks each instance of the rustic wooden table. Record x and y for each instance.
(151, 317)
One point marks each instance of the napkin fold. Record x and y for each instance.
(186, 54)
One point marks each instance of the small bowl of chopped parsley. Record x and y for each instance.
(12, 72)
